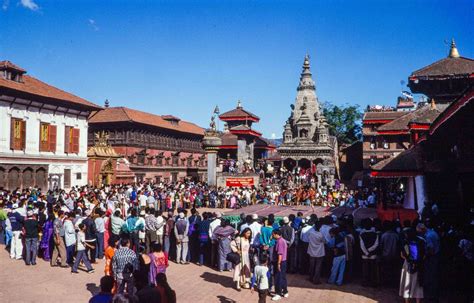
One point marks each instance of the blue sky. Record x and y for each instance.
(185, 57)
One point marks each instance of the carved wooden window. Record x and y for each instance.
(18, 134)
(47, 137)
(71, 140)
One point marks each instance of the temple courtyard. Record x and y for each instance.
(41, 283)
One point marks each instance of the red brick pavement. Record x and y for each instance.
(41, 283)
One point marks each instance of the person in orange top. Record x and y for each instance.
(109, 254)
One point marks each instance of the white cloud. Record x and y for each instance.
(93, 24)
(5, 4)
(29, 4)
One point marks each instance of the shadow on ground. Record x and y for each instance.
(93, 288)
(216, 278)
(223, 299)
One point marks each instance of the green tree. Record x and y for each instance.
(344, 122)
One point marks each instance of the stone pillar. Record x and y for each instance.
(211, 143)
(211, 168)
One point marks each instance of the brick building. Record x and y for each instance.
(156, 148)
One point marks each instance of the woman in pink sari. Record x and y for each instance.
(158, 261)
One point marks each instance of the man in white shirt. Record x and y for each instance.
(255, 227)
(214, 244)
(142, 198)
(303, 245)
(316, 253)
(161, 222)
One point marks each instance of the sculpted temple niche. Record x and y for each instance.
(306, 141)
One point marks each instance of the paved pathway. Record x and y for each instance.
(41, 283)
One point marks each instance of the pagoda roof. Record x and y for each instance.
(244, 129)
(382, 116)
(124, 114)
(423, 115)
(239, 114)
(102, 151)
(406, 163)
(32, 87)
(455, 67)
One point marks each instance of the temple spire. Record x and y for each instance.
(453, 52)
(306, 66)
(306, 80)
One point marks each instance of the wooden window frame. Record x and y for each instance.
(71, 140)
(17, 134)
(50, 144)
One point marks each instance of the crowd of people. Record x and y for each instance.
(138, 228)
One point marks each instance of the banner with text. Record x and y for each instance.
(238, 182)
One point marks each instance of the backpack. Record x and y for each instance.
(413, 257)
(192, 226)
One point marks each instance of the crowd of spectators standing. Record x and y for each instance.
(138, 228)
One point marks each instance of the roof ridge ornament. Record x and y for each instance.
(453, 52)
(239, 104)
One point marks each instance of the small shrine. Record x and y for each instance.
(240, 147)
(105, 165)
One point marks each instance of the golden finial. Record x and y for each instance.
(453, 52)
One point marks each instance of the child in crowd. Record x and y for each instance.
(81, 245)
(260, 279)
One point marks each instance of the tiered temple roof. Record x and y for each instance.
(239, 114)
(239, 123)
(454, 66)
(444, 80)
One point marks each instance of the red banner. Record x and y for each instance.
(238, 182)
